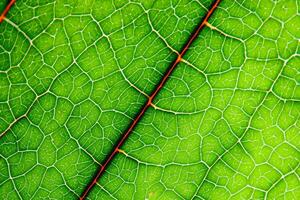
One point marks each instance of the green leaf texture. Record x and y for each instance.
(74, 74)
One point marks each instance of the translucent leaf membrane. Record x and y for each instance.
(226, 124)
(3, 4)
(74, 74)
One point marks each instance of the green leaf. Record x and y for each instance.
(108, 99)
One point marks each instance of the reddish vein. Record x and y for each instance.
(149, 102)
(7, 8)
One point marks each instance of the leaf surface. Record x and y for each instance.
(75, 76)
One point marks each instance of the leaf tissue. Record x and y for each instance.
(150, 99)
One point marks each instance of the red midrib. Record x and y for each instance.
(149, 102)
(7, 8)
(150, 99)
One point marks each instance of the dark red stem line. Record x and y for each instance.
(7, 8)
(149, 102)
